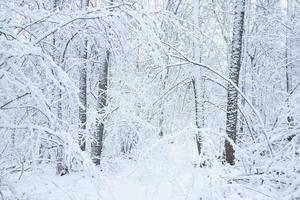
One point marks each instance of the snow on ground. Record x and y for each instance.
(166, 173)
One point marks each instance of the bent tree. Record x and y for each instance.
(234, 70)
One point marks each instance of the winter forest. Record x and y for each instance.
(149, 99)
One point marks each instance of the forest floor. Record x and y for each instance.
(171, 175)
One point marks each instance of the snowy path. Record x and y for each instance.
(77, 187)
(160, 177)
(170, 175)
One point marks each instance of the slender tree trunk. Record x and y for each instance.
(198, 80)
(83, 99)
(164, 78)
(59, 104)
(61, 167)
(83, 88)
(97, 146)
(234, 70)
(161, 106)
(289, 55)
(197, 115)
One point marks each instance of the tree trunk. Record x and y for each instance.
(61, 167)
(198, 80)
(234, 70)
(197, 117)
(289, 55)
(97, 146)
(161, 106)
(83, 88)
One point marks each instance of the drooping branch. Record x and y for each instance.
(15, 99)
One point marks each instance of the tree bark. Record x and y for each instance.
(198, 80)
(289, 55)
(161, 106)
(83, 88)
(234, 70)
(61, 167)
(97, 146)
(197, 117)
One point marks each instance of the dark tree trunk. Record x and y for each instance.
(83, 99)
(234, 70)
(97, 146)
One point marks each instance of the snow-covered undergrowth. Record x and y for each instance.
(166, 169)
